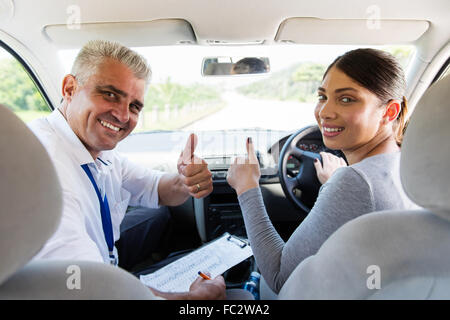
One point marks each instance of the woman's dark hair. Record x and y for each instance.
(379, 72)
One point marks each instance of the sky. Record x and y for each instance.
(4, 54)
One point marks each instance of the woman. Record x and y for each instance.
(361, 110)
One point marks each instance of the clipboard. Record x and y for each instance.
(215, 257)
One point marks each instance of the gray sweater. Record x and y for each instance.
(370, 185)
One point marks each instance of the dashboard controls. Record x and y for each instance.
(224, 217)
(303, 146)
(219, 175)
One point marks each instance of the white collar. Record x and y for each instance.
(74, 144)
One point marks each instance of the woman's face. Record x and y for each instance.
(349, 116)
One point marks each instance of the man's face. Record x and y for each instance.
(105, 109)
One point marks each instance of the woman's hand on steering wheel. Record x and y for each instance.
(330, 164)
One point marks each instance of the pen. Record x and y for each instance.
(204, 276)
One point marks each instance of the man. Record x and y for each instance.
(249, 66)
(102, 99)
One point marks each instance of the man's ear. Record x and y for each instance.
(69, 87)
(393, 109)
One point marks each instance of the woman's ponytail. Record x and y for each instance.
(401, 123)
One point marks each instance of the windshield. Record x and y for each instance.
(224, 110)
(179, 98)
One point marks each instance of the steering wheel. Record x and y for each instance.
(306, 179)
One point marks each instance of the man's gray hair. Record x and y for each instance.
(95, 52)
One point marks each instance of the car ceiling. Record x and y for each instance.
(37, 29)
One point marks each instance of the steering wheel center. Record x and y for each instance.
(305, 180)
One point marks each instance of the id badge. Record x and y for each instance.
(113, 260)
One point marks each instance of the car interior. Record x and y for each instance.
(192, 47)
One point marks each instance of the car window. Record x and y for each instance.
(446, 72)
(179, 98)
(224, 110)
(18, 91)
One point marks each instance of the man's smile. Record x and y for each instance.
(110, 125)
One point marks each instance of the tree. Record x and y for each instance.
(401, 53)
(299, 82)
(175, 95)
(16, 88)
(308, 72)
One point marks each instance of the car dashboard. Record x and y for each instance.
(220, 212)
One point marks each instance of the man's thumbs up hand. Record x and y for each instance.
(194, 171)
(188, 152)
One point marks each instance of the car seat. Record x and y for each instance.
(31, 206)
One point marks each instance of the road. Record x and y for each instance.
(242, 112)
(160, 150)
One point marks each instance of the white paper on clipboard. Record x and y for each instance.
(215, 257)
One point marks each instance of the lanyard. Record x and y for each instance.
(106, 216)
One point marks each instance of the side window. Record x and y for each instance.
(18, 91)
(446, 72)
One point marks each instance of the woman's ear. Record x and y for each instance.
(393, 109)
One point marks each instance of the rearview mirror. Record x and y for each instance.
(225, 66)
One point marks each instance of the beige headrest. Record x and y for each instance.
(425, 155)
(30, 194)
